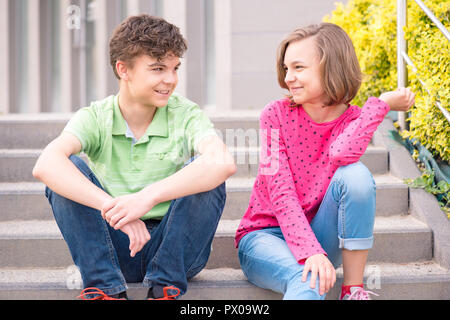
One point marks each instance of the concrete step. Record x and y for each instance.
(412, 281)
(30, 131)
(398, 239)
(35, 131)
(26, 244)
(17, 164)
(391, 196)
(247, 160)
(26, 200)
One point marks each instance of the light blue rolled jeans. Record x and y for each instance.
(344, 220)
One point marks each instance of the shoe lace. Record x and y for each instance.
(100, 295)
(168, 296)
(361, 294)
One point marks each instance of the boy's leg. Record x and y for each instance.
(89, 239)
(267, 262)
(181, 244)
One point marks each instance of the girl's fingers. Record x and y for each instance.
(306, 270)
(314, 272)
(323, 282)
(328, 280)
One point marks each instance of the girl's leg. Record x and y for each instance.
(345, 220)
(268, 263)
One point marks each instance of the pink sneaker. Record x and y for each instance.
(358, 293)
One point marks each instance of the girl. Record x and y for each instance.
(313, 203)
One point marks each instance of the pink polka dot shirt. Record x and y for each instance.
(297, 162)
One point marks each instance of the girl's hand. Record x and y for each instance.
(319, 264)
(399, 100)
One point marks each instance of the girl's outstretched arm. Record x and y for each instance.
(352, 142)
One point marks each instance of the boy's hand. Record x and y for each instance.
(399, 100)
(138, 234)
(122, 210)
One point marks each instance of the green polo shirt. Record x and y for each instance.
(124, 165)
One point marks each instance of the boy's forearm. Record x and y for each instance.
(63, 177)
(202, 174)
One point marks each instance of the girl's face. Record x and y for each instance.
(301, 63)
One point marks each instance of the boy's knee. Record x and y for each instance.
(79, 163)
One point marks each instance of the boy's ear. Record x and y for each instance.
(122, 69)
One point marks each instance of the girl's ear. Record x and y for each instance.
(122, 70)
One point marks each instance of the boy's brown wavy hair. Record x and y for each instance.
(144, 34)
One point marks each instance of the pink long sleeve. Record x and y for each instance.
(298, 160)
(282, 192)
(351, 144)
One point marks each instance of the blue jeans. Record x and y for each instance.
(345, 219)
(179, 247)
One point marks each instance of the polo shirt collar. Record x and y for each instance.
(158, 126)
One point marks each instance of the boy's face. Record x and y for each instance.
(150, 81)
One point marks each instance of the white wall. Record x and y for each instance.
(247, 35)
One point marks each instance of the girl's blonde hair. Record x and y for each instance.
(341, 75)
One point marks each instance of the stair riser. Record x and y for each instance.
(247, 163)
(389, 289)
(388, 247)
(389, 201)
(23, 134)
(18, 167)
(34, 205)
(29, 135)
(52, 253)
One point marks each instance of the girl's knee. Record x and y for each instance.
(357, 180)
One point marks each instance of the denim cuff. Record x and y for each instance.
(356, 243)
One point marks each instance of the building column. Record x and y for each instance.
(34, 57)
(5, 62)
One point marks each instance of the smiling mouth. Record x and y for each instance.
(296, 89)
(164, 92)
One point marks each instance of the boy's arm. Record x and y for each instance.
(55, 170)
(214, 165)
(210, 169)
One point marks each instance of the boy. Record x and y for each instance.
(135, 215)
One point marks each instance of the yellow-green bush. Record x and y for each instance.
(372, 27)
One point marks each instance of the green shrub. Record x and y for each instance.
(372, 27)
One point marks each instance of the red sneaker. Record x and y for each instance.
(100, 295)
